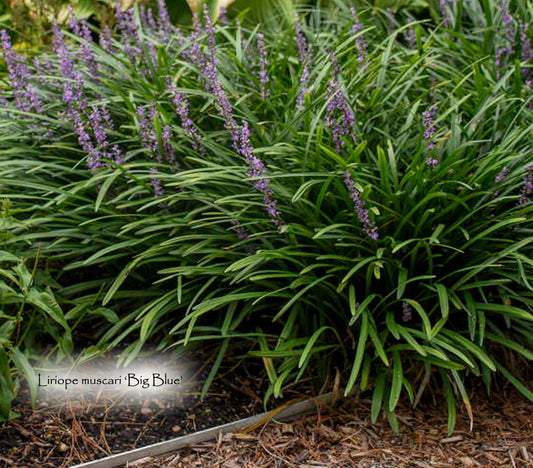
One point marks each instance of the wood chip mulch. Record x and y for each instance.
(344, 437)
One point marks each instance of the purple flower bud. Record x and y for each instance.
(263, 65)
(305, 53)
(411, 35)
(239, 229)
(527, 189)
(501, 175)
(223, 15)
(168, 149)
(81, 29)
(165, 26)
(129, 33)
(105, 39)
(147, 19)
(182, 109)
(159, 191)
(430, 129)
(369, 226)
(360, 43)
(392, 17)
(256, 168)
(340, 117)
(526, 56)
(148, 135)
(445, 13)
(407, 312)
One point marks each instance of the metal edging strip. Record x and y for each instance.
(162, 448)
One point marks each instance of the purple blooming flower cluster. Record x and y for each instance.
(256, 168)
(106, 40)
(510, 49)
(223, 15)
(306, 56)
(129, 32)
(148, 19)
(445, 13)
(239, 230)
(392, 17)
(73, 84)
(527, 189)
(96, 146)
(24, 92)
(146, 118)
(81, 29)
(362, 213)
(242, 234)
(182, 109)
(263, 64)
(407, 312)
(507, 20)
(429, 131)
(526, 56)
(194, 52)
(360, 43)
(340, 117)
(501, 176)
(149, 136)
(163, 21)
(411, 35)
(213, 84)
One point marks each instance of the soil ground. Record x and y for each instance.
(62, 433)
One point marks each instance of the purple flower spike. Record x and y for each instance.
(165, 26)
(211, 34)
(360, 43)
(81, 29)
(148, 136)
(411, 35)
(445, 14)
(64, 58)
(256, 168)
(407, 312)
(239, 230)
(369, 226)
(263, 64)
(527, 189)
(526, 56)
(147, 19)
(182, 109)
(305, 54)
(105, 39)
(159, 191)
(94, 155)
(429, 126)
(301, 41)
(501, 176)
(168, 149)
(129, 33)
(223, 15)
(24, 92)
(392, 18)
(340, 117)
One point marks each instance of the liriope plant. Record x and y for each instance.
(354, 193)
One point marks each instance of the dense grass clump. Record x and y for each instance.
(354, 193)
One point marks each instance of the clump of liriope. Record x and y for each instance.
(347, 195)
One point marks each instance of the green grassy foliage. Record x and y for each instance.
(444, 289)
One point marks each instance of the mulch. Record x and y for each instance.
(344, 437)
(61, 432)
